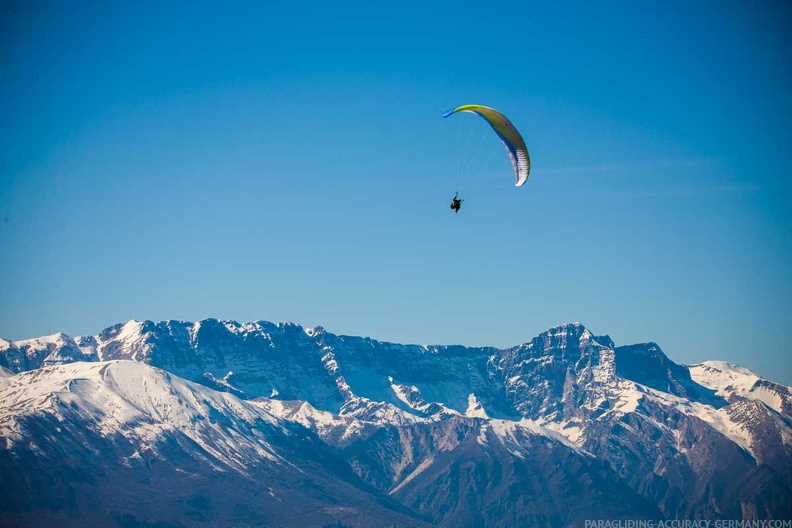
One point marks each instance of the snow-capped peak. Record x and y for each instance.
(728, 380)
(143, 403)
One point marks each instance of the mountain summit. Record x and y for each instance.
(297, 426)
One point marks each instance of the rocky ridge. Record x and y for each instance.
(564, 428)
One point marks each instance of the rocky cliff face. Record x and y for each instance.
(564, 428)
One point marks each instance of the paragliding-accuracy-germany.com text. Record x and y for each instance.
(635, 523)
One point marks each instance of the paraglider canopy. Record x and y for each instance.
(512, 140)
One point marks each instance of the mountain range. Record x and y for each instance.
(218, 423)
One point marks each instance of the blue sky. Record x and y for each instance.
(288, 162)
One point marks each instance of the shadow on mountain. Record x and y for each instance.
(646, 364)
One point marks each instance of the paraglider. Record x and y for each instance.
(456, 203)
(512, 140)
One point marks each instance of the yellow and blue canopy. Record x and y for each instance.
(512, 140)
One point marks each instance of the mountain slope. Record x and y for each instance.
(448, 431)
(127, 443)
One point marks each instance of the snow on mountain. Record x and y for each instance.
(719, 419)
(728, 380)
(141, 402)
(121, 443)
(338, 430)
(474, 408)
(562, 379)
(401, 415)
(18, 356)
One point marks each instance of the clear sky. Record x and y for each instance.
(287, 161)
